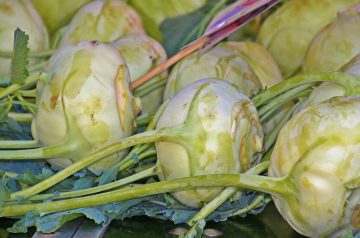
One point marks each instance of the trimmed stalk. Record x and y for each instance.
(31, 80)
(278, 186)
(143, 174)
(349, 82)
(224, 195)
(21, 117)
(170, 134)
(16, 144)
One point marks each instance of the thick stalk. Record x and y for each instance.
(21, 117)
(278, 186)
(18, 144)
(38, 153)
(224, 195)
(146, 137)
(349, 82)
(271, 138)
(283, 99)
(32, 79)
(83, 192)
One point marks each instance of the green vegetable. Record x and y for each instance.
(218, 132)
(154, 12)
(308, 177)
(104, 21)
(288, 32)
(335, 44)
(57, 13)
(142, 53)
(85, 105)
(20, 14)
(246, 65)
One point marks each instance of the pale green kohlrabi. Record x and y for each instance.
(85, 106)
(288, 32)
(318, 154)
(218, 131)
(328, 90)
(246, 65)
(335, 44)
(141, 54)
(57, 13)
(153, 12)
(104, 21)
(21, 14)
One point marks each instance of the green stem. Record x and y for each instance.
(144, 119)
(32, 54)
(143, 174)
(27, 93)
(38, 66)
(21, 117)
(144, 91)
(146, 137)
(271, 138)
(349, 82)
(32, 79)
(254, 182)
(31, 108)
(27, 104)
(143, 155)
(18, 144)
(224, 195)
(282, 99)
(259, 199)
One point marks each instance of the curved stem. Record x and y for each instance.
(259, 199)
(146, 90)
(283, 98)
(271, 185)
(146, 137)
(38, 153)
(27, 93)
(21, 117)
(224, 195)
(32, 79)
(32, 54)
(19, 144)
(143, 174)
(271, 138)
(349, 82)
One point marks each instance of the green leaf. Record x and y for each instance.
(83, 183)
(109, 175)
(179, 31)
(4, 191)
(20, 58)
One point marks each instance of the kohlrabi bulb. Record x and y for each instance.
(86, 104)
(104, 21)
(141, 54)
(288, 32)
(317, 155)
(57, 13)
(246, 65)
(335, 44)
(20, 14)
(221, 134)
(154, 12)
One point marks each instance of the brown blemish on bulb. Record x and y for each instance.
(6, 9)
(355, 217)
(53, 101)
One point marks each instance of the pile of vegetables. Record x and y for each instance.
(270, 114)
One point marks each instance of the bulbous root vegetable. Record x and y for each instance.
(349, 82)
(317, 190)
(101, 116)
